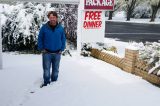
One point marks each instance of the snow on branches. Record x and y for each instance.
(150, 52)
(21, 28)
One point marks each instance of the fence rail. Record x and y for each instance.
(130, 63)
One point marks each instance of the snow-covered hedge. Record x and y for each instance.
(23, 21)
(142, 11)
(86, 48)
(150, 52)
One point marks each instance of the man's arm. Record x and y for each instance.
(63, 38)
(40, 39)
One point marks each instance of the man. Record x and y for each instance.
(51, 41)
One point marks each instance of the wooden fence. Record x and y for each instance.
(130, 63)
(114, 60)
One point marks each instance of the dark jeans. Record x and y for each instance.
(48, 61)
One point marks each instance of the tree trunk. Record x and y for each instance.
(128, 15)
(153, 16)
(130, 9)
(154, 11)
(110, 15)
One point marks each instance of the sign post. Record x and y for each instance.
(0, 44)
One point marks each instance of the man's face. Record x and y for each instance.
(53, 20)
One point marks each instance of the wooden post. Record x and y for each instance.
(79, 27)
(130, 59)
(0, 45)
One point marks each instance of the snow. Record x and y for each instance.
(149, 52)
(118, 44)
(112, 53)
(158, 73)
(27, 21)
(121, 17)
(131, 47)
(142, 21)
(153, 69)
(44, 1)
(3, 19)
(7, 9)
(82, 82)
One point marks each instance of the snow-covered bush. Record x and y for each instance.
(150, 52)
(86, 48)
(142, 11)
(155, 6)
(23, 22)
(66, 52)
(130, 6)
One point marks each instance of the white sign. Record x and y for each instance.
(93, 26)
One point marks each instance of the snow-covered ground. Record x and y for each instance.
(83, 81)
(118, 44)
(142, 21)
(121, 17)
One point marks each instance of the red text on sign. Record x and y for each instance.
(92, 20)
(93, 15)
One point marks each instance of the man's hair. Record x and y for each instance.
(53, 13)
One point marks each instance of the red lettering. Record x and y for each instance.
(99, 15)
(85, 24)
(93, 15)
(86, 14)
(92, 24)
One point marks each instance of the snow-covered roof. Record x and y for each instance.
(44, 1)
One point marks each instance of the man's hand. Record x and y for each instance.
(44, 51)
(60, 52)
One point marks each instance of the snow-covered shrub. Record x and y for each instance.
(66, 52)
(142, 11)
(86, 48)
(150, 52)
(155, 6)
(23, 22)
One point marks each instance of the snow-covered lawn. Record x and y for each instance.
(141, 21)
(121, 17)
(118, 44)
(82, 82)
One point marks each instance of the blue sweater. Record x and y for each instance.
(52, 40)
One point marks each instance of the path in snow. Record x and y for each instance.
(82, 82)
